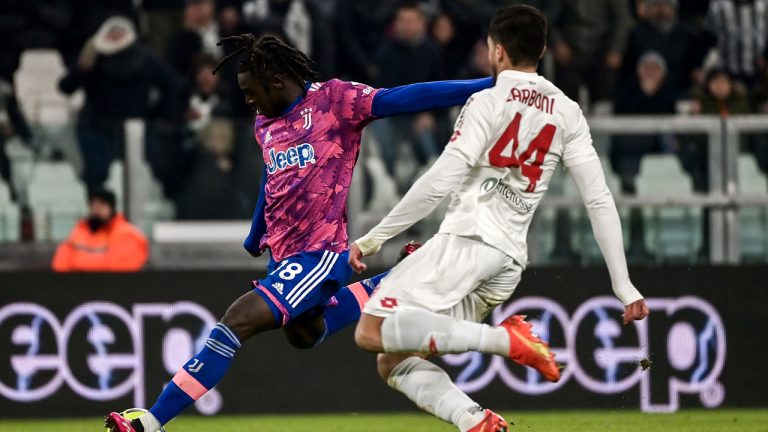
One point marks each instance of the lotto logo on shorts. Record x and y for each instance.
(389, 302)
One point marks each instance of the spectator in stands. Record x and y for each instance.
(118, 75)
(205, 97)
(720, 95)
(443, 32)
(86, 18)
(12, 123)
(104, 241)
(200, 34)
(28, 24)
(478, 65)
(650, 93)
(408, 56)
(303, 25)
(360, 27)
(231, 19)
(210, 189)
(164, 19)
(741, 30)
(681, 48)
(588, 39)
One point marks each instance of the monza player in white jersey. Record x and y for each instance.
(506, 145)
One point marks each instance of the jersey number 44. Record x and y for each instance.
(503, 153)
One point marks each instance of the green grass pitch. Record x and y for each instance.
(548, 421)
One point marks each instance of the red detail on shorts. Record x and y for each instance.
(276, 302)
(432, 345)
(388, 302)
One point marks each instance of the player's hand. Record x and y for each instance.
(356, 259)
(635, 311)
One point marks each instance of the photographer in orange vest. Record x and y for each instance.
(104, 241)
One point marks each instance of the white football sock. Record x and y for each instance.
(149, 422)
(418, 330)
(431, 389)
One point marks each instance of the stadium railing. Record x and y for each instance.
(723, 199)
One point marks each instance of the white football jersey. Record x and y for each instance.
(513, 135)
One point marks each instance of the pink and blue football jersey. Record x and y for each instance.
(310, 155)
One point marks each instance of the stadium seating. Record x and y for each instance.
(672, 233)
(36, 82)
(753, 221)
(582, 238)
(57, 198)
(384, 194)
(545, 217)
(49, 112)
(155, 208)
(22, 160)
(9, 215)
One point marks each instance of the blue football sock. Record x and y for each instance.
(198, 375)
(350, 301)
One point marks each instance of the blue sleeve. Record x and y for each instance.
(259, 225)
(425, 96)
(374, 281)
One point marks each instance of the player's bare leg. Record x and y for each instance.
(419, 330)
(306, 331)
(248, 316)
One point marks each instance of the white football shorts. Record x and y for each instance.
(457, 276)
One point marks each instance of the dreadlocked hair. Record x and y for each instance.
(268, 56)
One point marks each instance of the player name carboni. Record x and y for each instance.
(532, 98)
(300, 155)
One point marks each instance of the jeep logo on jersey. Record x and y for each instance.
(506, 192)
(300, 155)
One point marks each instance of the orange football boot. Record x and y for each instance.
(527, 349)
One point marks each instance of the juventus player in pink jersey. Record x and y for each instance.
(507, 142)
(309, 133)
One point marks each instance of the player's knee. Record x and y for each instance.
(248, 315)
(366, 338)
(242, 324)
(386, 363)
(237, 323)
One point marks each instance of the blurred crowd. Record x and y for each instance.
(152, 59)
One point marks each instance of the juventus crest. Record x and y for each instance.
(307, 114)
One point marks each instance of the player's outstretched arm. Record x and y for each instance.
(258, 224)
(425, 96)
(445, 175)
(606, 226)
(469, 142)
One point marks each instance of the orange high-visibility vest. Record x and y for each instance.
(118, 246)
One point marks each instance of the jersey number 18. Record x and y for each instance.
(502, 153)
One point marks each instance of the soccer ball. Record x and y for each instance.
(134, 413)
